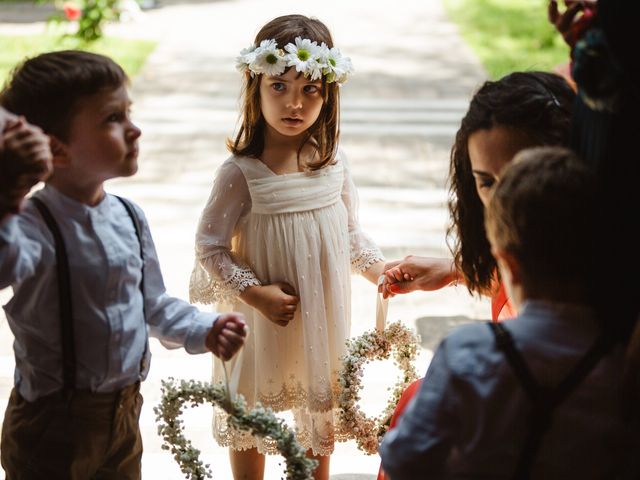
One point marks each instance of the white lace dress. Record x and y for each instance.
(301, 228)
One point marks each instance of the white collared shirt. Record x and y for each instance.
(105, 269)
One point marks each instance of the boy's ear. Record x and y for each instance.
(59, 152)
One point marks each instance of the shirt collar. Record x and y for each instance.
(545, 310)
(72, 208)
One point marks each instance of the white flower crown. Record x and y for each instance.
(308, 57)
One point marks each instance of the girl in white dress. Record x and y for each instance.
(279, 237)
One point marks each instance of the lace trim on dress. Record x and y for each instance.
(294, 395)
(211, 290)
(309, 439)
(365, 259)
(291, 397)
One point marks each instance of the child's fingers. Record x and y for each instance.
(237, 325)
(232, 337)
(397, 274)
(13, 123)
(386, 293)
(390, 275)
(399, 288)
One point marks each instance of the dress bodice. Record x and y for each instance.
(293, 192)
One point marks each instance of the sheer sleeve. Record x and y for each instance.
(364, 251)
(218, 276)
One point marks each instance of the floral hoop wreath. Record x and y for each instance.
(260, 421)
(374, 345)
(306, 56)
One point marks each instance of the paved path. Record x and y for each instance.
(399, 113)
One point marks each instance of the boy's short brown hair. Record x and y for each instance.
(46, 89)
(543, 212)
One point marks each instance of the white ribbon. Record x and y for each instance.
(382, 306)
(231, 383)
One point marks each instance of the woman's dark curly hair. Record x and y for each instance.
(537, 104)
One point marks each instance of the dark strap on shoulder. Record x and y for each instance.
(543, 398)
(136, 225)
(64, 298)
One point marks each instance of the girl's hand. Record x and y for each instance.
(394, 275)
(277, 302)
(417, 273)
(227, 335)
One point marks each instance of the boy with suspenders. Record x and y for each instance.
(87, 283)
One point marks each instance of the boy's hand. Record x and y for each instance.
(277, 302)
(227, 335)
(25, 159)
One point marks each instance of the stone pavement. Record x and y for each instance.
(414, 77)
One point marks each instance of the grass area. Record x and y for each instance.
(131, 54)
(509, 35)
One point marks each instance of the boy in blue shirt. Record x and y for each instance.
(87, 283)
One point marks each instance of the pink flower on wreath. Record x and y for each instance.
(72, 11)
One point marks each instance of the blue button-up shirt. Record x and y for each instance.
(110, 327)
(471, 415)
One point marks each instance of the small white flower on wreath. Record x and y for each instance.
(269, 59)
(336, 67)
(304, 55)
(246, 57)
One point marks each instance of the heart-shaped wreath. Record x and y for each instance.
(374, 345)
(260, 421)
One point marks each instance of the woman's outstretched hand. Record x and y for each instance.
(417, 273)
(277, 302)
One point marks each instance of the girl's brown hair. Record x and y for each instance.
(324, 133)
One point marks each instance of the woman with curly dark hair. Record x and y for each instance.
(521, 110)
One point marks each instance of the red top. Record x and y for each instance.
(501, 306)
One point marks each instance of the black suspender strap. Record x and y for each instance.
(64, 296)
(136, 225)
(64, 292)
(544, 399)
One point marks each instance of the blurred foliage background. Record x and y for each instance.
(509, 35)
(60, 34)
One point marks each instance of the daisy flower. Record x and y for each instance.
(247, 55)
(335, 66)
(304, 56)
(269, 59)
